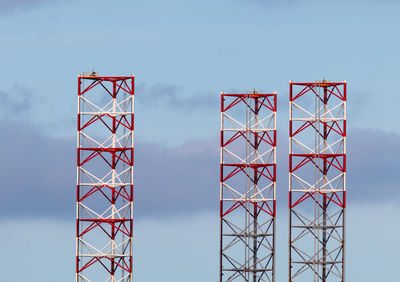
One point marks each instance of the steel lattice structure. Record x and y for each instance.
(247, 187)
(104, 178)
(317, 181)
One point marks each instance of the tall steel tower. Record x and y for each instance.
(104, 178)
(247, 189)
(317, 181)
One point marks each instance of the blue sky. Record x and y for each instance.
(183, 53)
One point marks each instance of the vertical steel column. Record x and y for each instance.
(104, 225)
(247, 187)
(317, 181)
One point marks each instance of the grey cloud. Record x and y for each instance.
(175, 97)
(16, 101)
(177, 179)
(372, 166)
(38, 173)
(7, 5)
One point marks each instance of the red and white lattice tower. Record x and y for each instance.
(104, 178)
(247, 190)
(317, 181)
